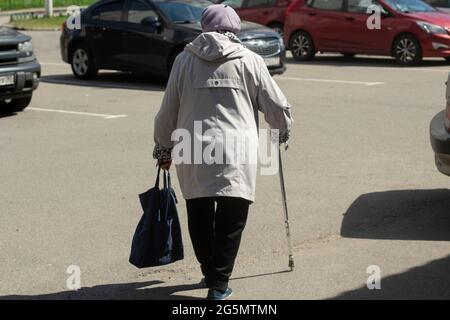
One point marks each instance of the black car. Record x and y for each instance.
(19, 70)
(147, 35)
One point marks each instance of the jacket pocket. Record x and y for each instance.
(218, 83)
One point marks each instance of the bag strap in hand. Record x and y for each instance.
(167, 182)
(157, 177)
(166, 179)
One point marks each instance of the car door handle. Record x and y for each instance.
(312, 14)
(349, 18)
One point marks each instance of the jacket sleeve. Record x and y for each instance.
(166, 118)
(272, 102)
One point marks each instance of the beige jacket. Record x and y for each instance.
(219, 85)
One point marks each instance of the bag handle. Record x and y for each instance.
(157, 177)
(166, 179)
(167, 183)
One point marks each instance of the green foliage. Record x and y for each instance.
(25, 4)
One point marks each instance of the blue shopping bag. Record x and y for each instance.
(157, 240)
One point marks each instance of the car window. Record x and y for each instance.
(435, 3)
(439, 3)
(182, 12)
(138, 10)
(111, 11)
(360, 6)
(328, 4)
(234, 3)
(410, 6)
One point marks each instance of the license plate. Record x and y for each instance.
(6, 80)
(270, 62)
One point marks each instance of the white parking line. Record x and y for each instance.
(407, 69)
(104, 116)
(364, 83)
(54, 64)
(426, 69)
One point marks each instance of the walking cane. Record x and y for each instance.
(285, 209)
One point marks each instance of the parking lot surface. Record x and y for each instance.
(361, 184)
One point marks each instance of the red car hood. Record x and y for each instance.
(439, 18)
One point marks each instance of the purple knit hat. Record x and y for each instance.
(220, 17)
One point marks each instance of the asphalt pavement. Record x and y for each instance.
(361, 184)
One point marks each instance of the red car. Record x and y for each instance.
(266, 12)
(408, 29)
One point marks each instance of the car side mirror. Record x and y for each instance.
(152, 21)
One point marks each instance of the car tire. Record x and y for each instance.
(278, 27)
(302, 46)
(407, 51)
(16, 105)
(82, 63)
(447, 59)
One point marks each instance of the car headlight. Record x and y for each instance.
(25, 46)
(431, 28)
(281, 42)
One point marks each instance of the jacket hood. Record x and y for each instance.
(213, 46)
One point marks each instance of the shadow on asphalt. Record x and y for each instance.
(120, 291)
(261, 275)
(127, 291)
(7, 114)
(403, 215)
(111, 80)
(363, 61)
(429, 281)
(399, 215)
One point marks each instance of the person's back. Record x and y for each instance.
(208, 123)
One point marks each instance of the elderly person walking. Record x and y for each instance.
(218, 85)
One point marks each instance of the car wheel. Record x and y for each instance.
(447, 59)
(82, 63)
(278, 27)
(16, 104)
(302, 46)
(407, 50)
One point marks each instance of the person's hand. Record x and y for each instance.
(164, 164)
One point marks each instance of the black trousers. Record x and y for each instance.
(215, 227)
